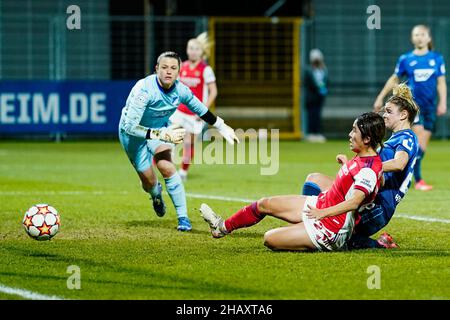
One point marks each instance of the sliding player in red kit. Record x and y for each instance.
(323, 222)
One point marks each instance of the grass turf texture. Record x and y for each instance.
(125, 251)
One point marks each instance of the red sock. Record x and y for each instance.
(245, 217)
(188, 154)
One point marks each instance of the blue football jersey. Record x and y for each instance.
(150, 106)
(396, 184)
(422, 73)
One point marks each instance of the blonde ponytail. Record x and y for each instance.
(403, 98)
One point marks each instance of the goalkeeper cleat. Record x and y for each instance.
(216, 223)
(158, 203)
(184, 224)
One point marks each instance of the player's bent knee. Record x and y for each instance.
(164, 163)
(313, 177)
(263, 205)
(166, 168)
(270, 240)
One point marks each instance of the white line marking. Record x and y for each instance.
(419, 218)
(188, 195)
(205, 196)
(27, 294)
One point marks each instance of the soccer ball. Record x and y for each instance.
(41, 222)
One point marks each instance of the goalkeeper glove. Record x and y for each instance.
(226, 131)
(174, 134)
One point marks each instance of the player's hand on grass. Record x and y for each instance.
(341, 159)
(314, 213)
(174, 134)
(226, 131)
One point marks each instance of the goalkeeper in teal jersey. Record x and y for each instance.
(147, 137)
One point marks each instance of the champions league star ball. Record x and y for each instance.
(41, 222)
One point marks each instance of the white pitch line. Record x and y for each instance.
(205, 196)
(188, 195)
(419, 218)
(27, 294)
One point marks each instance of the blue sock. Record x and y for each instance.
(175, 188)
(311, 189)
(155, 190)
(362, 242)
(418, 165)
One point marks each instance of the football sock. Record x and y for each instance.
(175, 188)
(188, 154)
(154, 191)
(311, 189)
(245, 217)
(418, 165)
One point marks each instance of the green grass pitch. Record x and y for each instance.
(124, 251)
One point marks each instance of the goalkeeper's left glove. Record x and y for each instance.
(226, 131)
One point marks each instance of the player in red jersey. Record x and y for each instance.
(325, 222)
(200, 78)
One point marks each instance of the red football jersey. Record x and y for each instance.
(196, 79)
(360, 173)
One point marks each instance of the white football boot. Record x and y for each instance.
(216, 223)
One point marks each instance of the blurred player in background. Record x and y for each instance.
(323, 222)
(199, 77)
(425, 70)
(145, 135)
(315, 82)
(399, 156)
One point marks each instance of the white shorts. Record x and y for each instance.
(322, 238)
(187, 121)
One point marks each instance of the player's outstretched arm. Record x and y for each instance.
(390, 84)
(206, 115)
(226, 131)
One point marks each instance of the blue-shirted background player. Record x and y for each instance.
(425, 71)
(145, 134)
(399, 156)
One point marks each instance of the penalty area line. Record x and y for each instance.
(27, 294)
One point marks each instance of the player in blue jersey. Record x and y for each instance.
(399, 156)
(147, 137)
(425, 71)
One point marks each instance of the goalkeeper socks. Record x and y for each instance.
(188, 155)
(245, 217)
(418, 165)
(155, 190)
(311, 189)
(175, 188)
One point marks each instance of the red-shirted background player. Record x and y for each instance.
(200, 78)
(325, 222)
